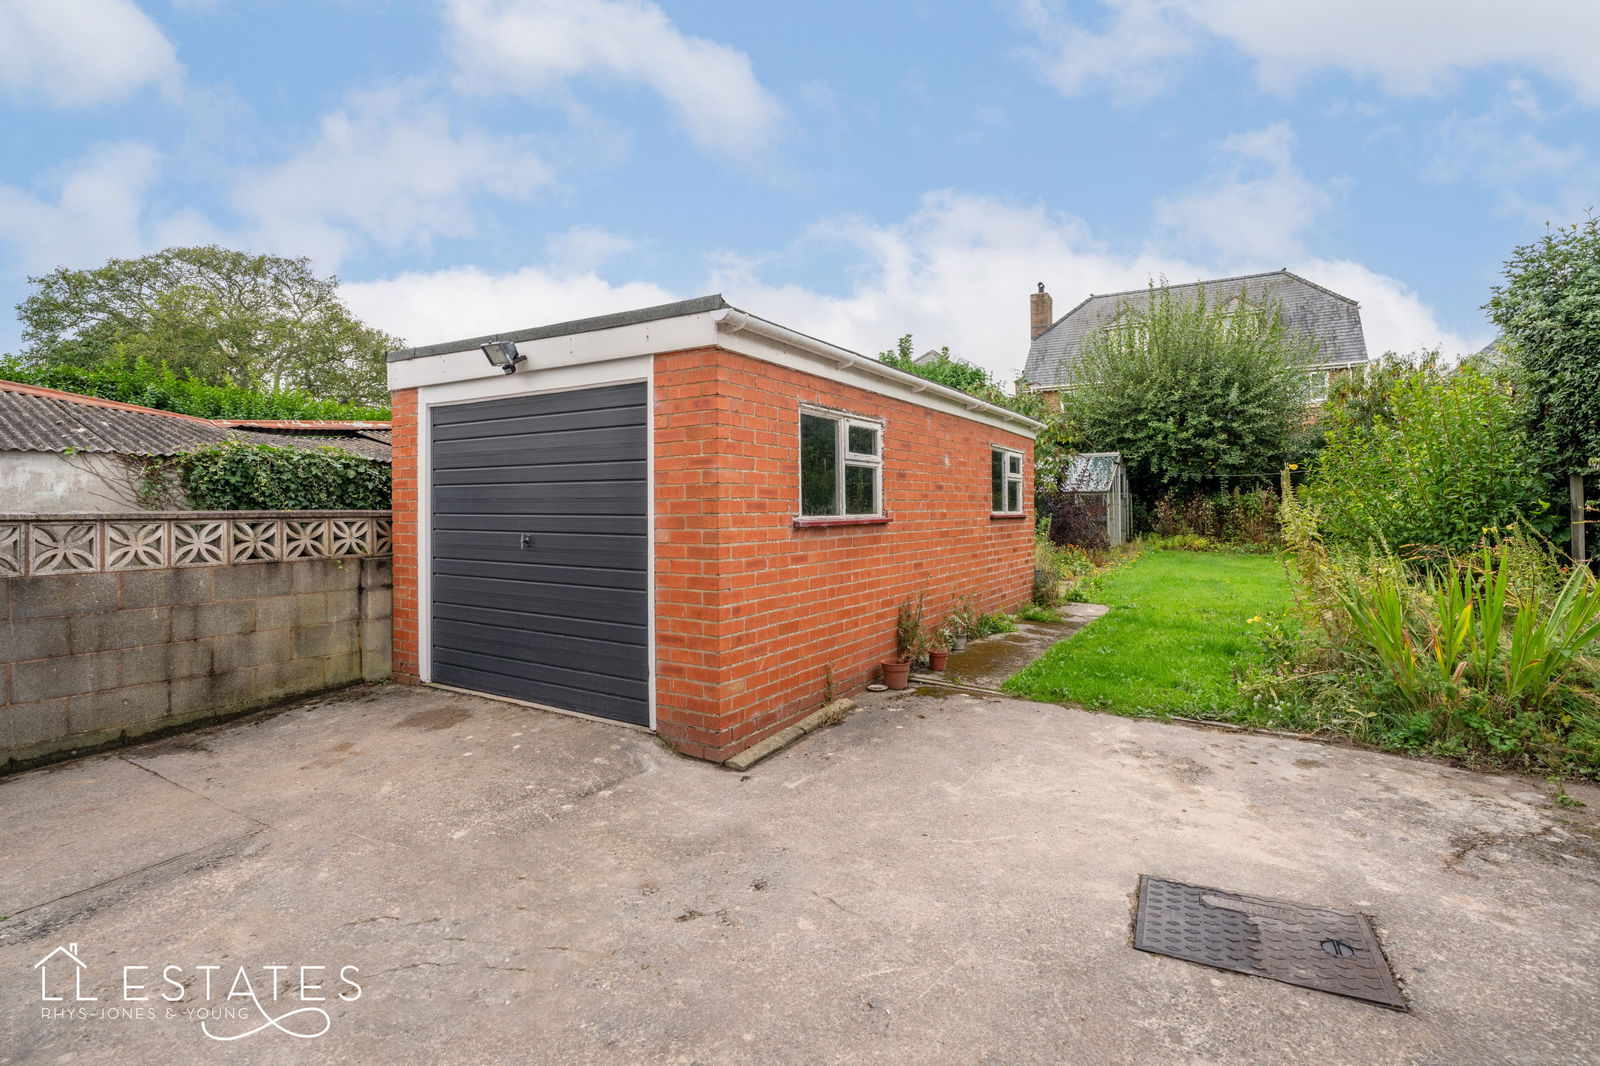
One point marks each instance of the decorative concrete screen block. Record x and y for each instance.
(256, 542)
(10, 549)
(82, 544)
(305, 539)
(136, 545)
(64, 547)
(349, 536)
(199, 543)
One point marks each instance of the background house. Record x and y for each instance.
(1332, 320)
(63, 452)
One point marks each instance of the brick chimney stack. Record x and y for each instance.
(1041, 312)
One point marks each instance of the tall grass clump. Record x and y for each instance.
(1487, 654)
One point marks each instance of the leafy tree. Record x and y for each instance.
(1194, 396)
(136, 381)
(1432, 456)
(1548, 312)
(220, 316)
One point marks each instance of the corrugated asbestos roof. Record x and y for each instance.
(33, 419)
(1091, 472)
(1308, 308)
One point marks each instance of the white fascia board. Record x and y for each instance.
(734, 331)
(748, 335)
(555, 353)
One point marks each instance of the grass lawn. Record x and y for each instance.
(1178, 627)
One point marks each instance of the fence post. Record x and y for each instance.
(1580, 554)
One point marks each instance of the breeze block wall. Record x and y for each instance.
(119, 626)
(755, 613)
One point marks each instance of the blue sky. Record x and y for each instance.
(856, 171)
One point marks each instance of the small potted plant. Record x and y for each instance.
(958, 624)
(939, 649)
(908, 644)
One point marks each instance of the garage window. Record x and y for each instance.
(1005, 481)
(841, 466)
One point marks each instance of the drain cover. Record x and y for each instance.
(1305, 946)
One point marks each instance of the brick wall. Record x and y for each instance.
(404, 464)
(90, 659)
(753, 612)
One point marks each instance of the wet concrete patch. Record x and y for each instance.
(987, 663)
(435, 718)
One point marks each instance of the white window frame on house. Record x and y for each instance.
(1321, 384)
(1008, 477)
(844, 459)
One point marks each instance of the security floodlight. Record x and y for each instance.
(504, 355)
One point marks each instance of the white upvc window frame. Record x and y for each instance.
(1321, 384)
(844, 458)
(1008, 477)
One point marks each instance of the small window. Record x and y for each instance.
(1320, 380)
(1005, 481)
(841, 466)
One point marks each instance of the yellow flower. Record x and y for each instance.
(1252, 621)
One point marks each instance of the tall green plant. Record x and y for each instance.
(1442, 459)
(1548, 312)
(1193, 394)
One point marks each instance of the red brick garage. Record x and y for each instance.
(688, 518)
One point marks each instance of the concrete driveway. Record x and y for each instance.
(938, 879)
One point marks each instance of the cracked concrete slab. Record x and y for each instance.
(938, 879)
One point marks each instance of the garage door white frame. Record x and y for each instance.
(530, 382)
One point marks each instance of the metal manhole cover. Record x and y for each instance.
(1306, 946)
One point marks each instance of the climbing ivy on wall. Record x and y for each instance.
(235, 476)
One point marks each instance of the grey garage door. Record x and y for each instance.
(540, 559)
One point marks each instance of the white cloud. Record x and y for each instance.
(1132, 56)
(530, 47)
(75, 53)
(1501, 148)
(958, 271)
(96, 208)
(1255, 207)
(388, 170)
(426, 308)
(583, 248)
(1407, 46)
(1393, 317)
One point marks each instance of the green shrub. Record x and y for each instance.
(235, 476)
(1239, 517)
(1439, 459)
(994, 622)
(1035, 613)
(1193, 392)
(156, 385)
(1484, 655)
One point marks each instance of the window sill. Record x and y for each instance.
(1007, 514)
(803, 521)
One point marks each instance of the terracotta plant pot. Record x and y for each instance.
(937, 658)
(896, 672)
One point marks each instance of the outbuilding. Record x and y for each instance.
(688, 518)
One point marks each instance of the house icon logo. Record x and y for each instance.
(61, 966)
